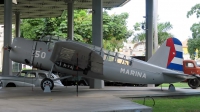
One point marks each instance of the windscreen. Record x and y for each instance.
(21, 74)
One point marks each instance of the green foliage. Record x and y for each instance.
(83, 26)
(178, 84)
(32, 28)
(113, 44)
(163, 33)
(195, 28)
(139, 37)
(115, 31)
(137, 26)
(193, 43)
(194, 10)
(164, 27)
(114, 28)
(173, 104)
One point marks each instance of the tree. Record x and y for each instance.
(163, 33)
(194, 10)
(114, 28)
(193, 43)
(192, 47)
(31, 28)
(113, 44)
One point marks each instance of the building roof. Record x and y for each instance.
(52, 8)
(139, 43)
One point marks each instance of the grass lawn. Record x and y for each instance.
(173, 104)
(178, 84)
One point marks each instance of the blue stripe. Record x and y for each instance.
(175, 67)
(176, 41)
(179, 54)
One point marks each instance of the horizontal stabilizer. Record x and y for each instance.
(179, 75)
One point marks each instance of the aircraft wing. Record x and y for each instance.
(71, 53)
(179, 75)
(60, 78)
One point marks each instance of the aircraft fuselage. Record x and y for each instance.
(38, 55)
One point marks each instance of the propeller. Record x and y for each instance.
(7, 47)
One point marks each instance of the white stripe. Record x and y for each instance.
(178, 61)
(178, 48)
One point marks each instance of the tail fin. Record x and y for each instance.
(169, 55)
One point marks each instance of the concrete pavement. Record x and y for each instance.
(65, 99)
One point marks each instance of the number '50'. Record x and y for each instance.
(40, 54)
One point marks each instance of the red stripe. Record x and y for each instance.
(172, 52)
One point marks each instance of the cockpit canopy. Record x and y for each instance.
(107, 55)
(51, 40)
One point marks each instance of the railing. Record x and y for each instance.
(149, 97)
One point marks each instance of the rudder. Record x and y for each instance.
(169, 55)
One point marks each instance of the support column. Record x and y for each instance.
(70, 16)
(7, 64)
(155, 16)
(17, 34)
(97, 34)
(17, 24)
(149, 28)
(149, 31)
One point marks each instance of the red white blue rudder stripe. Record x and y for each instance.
(175, 58)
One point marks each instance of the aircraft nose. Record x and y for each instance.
(21, 50)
